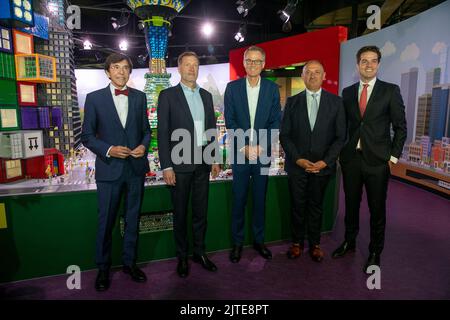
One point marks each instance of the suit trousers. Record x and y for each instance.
(356, 174)
(197, 183)
(307, 193)
(241, 180)
(109, 194)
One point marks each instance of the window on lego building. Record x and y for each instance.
(56, 140)
(51, 133)
(13, 169)
(27, 93)
(8, 118)
(5, 40)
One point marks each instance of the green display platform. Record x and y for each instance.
(45, 234)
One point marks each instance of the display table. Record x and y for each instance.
(46, 233)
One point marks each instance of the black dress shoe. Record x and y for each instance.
(373, 260)
(205, 262)
(183, 267)
(102, 280)
(136, 274)
(343, 249)
(262, 250)
(235, 254)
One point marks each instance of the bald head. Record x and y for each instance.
(313, 75)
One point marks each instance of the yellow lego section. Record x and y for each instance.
(3, 224)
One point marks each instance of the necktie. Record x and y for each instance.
(118, 92)
(363, 100)
(313, 112)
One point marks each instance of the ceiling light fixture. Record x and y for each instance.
(122, 21)
(288, 10)
(244, 6)
(87, 45)
(123, 45)
(207, 29)
(242, 33)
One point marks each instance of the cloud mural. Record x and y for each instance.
(410, 53)
(388, 49)
(439, 47)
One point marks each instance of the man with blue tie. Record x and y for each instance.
(117, 130)
(187, 108)
(312, 134)
(251, 103)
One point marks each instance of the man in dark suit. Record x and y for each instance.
(251, 103)
(187, 109)
(312, 134)
(372, 106)
(117, 130)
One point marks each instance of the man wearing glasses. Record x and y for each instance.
(252, 105)
(117, 130)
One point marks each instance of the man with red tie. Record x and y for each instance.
(117, 130)
(372, 106)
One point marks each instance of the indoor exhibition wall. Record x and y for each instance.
(415, 56)
(213, 78)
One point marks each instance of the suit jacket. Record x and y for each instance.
(324, 142)
(102, 129)
(268, 109)
(384, 108)
(174, 113)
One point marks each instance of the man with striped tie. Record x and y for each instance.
(312, 135)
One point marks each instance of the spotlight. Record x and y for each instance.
(123, 45)
(208, 29)
(287, 26)
(122, 21)
(244, 6)
(87, 45)
(141, 25)
(241, 34)
(288, 11)
(142, 58)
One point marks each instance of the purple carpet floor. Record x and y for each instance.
(415, 264)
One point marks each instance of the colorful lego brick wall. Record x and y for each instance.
(21, 69)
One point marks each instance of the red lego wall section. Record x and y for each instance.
(323, 45)
(36, 167)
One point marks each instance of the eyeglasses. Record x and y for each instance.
(255, 62)
(116, 67)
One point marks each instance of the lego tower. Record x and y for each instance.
(60, 96)
(157, 18)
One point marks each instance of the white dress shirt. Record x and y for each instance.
(371, 84)
(309, 100)
(121, 104)
(252, 98)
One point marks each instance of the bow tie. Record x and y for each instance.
(124, 92)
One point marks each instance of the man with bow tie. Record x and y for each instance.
(117, 130)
